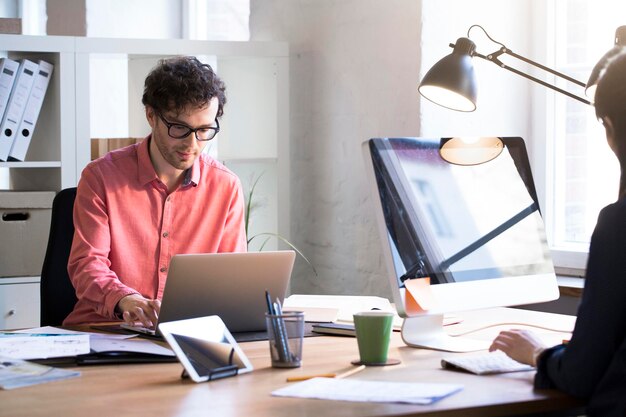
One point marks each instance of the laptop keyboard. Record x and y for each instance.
(138, 329)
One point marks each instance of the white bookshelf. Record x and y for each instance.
(50, 161)
(255, 129)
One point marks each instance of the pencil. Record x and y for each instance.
(329, 375)
(351, 372)
(305, 377)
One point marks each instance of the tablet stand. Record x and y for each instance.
(217, 373)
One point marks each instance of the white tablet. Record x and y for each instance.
(205, 348)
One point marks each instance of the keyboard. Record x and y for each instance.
(485, 363)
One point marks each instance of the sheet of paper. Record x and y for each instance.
(16, 373)
(136, 346)
(346, 305)
(58, 330)
(316, 314)
(42, 346)
(369, 391)
(397, 321)
(419, 296)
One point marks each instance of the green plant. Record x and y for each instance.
(249, 207)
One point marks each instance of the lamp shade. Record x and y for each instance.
(470, 150)
(451, 82)
(620, 43)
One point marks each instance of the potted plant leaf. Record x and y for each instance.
(250, 204)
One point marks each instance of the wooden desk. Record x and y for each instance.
(157, 390)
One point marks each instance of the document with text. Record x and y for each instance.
(369, 391)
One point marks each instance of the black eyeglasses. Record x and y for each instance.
(179, 131)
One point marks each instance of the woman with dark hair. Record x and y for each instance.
(592, 366)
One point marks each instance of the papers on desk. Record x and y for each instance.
(102, 345)
(92, 335)
(369, 391)
(95, 348)
(42, 345)
(16, 373)
(337, 307)
(341, 308)
(316, 314)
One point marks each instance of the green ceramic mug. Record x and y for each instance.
(373, 331)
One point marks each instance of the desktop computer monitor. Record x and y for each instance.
(474, 231)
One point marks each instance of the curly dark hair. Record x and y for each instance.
(610, 100)
(179, 82)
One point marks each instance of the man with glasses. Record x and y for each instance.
(138, 206)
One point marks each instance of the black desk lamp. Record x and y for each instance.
(451, 83)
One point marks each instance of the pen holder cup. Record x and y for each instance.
(285, 333)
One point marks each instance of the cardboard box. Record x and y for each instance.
(24, 229)
(12, 25)
(101, 146)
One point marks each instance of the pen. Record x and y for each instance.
(280, 337)
(329, 375)
(268, 300)
(282, 332)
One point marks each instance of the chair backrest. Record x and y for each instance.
(57, 293)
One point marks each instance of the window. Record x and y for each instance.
(582, 174)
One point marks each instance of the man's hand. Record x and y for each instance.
(521, 345)
(135, 308)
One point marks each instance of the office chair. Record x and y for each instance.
(57, 293)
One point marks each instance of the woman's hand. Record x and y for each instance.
(521, 345)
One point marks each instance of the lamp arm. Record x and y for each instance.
(494, 57)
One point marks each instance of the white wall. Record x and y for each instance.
(354, 74)
(143, 19)
(355, 66)
(219, 20)
(148, 19)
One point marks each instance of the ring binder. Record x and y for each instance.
(16, 105)
(8, 71)
(26, 127)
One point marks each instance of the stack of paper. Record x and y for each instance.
(42, 346)
(101, 348)
(341, 306)
(16, 373)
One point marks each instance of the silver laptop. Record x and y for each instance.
(229, 285)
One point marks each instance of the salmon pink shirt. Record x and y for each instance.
(128, 227)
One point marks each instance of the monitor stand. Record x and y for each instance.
(427, 332)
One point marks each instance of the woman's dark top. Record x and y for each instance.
(593, 364)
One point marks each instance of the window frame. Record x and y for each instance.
(548, 108)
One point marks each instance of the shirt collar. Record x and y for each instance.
(192, 175)
(147, 173)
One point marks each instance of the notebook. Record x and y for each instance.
(229, 285)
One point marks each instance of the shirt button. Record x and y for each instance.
(166, 234)
(168, 198)
(163, 269)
